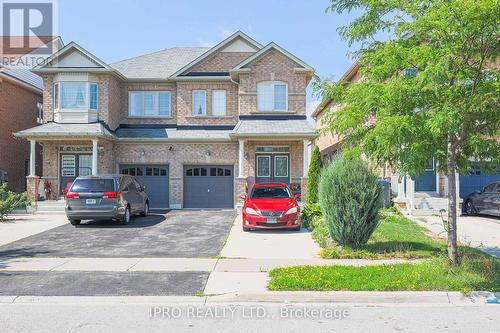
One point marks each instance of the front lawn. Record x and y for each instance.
(478, 271)
(395, 237)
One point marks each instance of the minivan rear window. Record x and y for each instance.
(93, 185)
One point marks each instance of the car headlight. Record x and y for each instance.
(292, 210)
(251, 211)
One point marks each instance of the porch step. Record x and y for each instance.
(50, 207)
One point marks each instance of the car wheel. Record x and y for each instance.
(296, 228)
(126, 216)
(74, 222)
(469, 208)
(145, 212)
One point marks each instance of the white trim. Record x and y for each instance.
(157, 105)
(237, 34)
(32, 157)
(269, 46)
(192, 103)
(287, 165)
(68, 48)
(305, 157)
(241, 157)
(268, 165)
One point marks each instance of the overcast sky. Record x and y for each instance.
(118, 29)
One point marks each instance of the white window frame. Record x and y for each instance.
(194, 92)
(156, 104)
(287, 165)
(268, 165)
(39, 113)
(57, 90)
(224, 111)
(272, 84)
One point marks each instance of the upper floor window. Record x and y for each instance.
(149, 103)
(219, 103)
(75, 95)
(39, 113)
(272, 96)
(199, 102)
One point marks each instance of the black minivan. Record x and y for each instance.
(105, 197)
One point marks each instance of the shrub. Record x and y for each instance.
(313, 176)
(350, 198)
(320, 233)
(10, 200)
(309, 212)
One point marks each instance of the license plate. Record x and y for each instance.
(90, 201)
(272, 221)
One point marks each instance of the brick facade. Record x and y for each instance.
(221, 62)
(20, 104)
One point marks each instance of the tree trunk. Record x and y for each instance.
(452, 204)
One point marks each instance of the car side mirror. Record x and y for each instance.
(297, 196)
(243, 196)
(143, 188)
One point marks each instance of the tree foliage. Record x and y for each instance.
(313, 176)
(446, 108)
(350, 197)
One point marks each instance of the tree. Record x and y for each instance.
(431, 84)
(350, 197)
(313, 176)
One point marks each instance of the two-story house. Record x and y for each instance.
(190, 123)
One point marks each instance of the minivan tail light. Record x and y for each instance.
(110, 195)
(72, 195)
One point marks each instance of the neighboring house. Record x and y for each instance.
(191, 123)
(420, 193)
(20, 108)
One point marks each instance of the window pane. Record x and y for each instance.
(263, 166)
(280, 97)
(150, 103)
(93, 96)
(199, 103)
(213, 172)
(264, 97)
(156, 171)
(163, 172)
(189, 172)
(56, 96)
(74, 95)
(85, 165)
(203, 171)
(196, 172)
(164, 103)
(227, 172)
(140, 172)
(125, 171)
(149, 171)
(135, 101)
(132, 171)
(219, 102)
(281, 166)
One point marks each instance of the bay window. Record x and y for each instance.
(149, 103)
(76, 95)
(272, 96)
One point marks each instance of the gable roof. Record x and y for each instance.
(158, 65)
(268, 47)
(24, 76)
(228, 40)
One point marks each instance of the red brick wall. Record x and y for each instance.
(17, 112)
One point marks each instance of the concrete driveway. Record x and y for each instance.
(269, 244)
(480, 231)
(186, 233)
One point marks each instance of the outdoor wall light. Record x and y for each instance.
(171, 148)
(142, 153)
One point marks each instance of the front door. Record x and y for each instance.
(427, 181)
(272, 168)
(72, 166)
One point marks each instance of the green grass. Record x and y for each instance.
(395, 237)
(477, 271)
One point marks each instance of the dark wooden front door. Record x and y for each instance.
(272, 168)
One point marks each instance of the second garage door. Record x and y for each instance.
(208, 186)
(155, 178)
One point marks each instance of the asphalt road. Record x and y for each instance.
(184, 233)
(158, 317)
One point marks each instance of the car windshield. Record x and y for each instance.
(93, 185)
(270, 192)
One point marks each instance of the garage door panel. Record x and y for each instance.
(156, 180)
(208, 186)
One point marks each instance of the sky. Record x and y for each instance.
(114, 30)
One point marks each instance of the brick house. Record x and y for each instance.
(20, 108)
(191, 123)
(422, 195)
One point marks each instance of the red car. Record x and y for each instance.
(270, 206)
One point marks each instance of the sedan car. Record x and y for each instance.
(270, 206)
(486, 201)
(104, 197)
